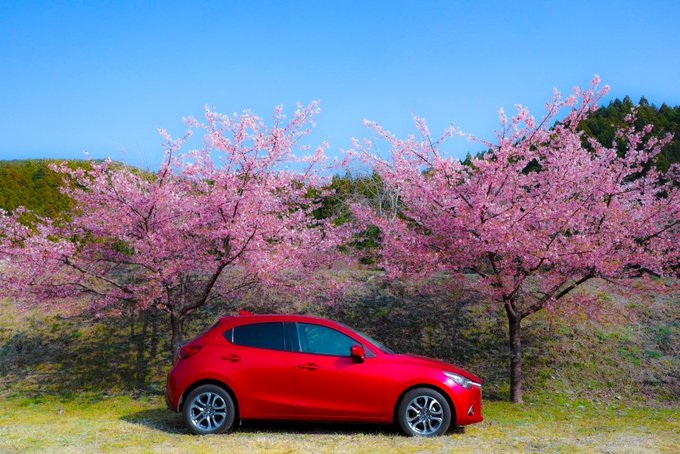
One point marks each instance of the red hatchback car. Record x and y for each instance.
(294, 367)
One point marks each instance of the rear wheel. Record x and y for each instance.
(209, 409)
(424, 412)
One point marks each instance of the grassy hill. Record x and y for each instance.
(31, 183)
(81, 383)
(632, 355)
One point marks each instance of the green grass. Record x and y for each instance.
(91, 423)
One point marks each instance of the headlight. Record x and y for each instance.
(462, 381)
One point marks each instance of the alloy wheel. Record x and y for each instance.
(424, 415)
(208, 411)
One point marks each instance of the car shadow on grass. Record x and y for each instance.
(166, 421)
(160, 419)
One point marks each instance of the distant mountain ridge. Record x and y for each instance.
(30, 182)
(602, 125)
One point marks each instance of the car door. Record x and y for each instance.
(329, 384)
(258, 362)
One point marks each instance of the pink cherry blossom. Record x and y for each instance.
(209, 223)
(543, 211)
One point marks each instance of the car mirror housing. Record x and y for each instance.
(357, 352)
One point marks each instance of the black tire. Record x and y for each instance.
(209, 409)
(423, 412)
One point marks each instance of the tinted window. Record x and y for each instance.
(263, 335)
(323, 340)
(378, 344)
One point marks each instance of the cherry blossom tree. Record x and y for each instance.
(531, 220)
(209, 223)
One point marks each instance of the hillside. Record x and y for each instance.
(31, 183)
(602, 125)
(634, 357)
(609, 385)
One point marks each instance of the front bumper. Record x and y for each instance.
(468, 404)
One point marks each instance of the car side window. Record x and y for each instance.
(262, 335)
(323, 340)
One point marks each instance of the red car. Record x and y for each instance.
(294, 367)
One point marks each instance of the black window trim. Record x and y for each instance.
(290, 335)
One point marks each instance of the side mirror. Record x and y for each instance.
(357, 353)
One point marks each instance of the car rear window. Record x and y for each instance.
(261, 335)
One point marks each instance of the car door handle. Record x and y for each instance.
(233, 358)
(308, 366)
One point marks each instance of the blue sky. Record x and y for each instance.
(103, 76)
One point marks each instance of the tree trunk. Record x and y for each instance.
(515, 359)
(177, 336)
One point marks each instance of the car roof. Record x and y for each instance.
(276, 317)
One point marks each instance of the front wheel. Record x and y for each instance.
(424, 412)
(209, 410)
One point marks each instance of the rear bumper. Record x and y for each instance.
(167, 400)
(172, 395)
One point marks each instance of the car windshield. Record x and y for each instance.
(378, 344)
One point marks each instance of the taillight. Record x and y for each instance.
(188, 350)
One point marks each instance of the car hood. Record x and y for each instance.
(437, 364)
